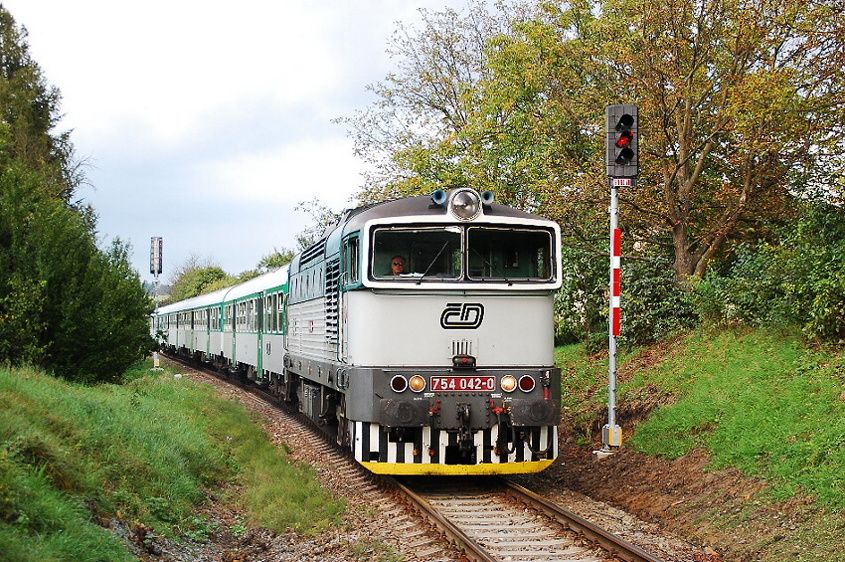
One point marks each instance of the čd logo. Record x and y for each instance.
(464, 316)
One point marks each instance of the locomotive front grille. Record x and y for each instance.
(463, 346)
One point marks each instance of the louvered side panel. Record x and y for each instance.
(307, 329)
(332, 305)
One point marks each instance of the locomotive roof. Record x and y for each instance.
(421, 206)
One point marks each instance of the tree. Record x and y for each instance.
(426, 102)
(196, 277)
(66, 305)
(30, 112)
(323, 218)
(274, 260)
(740, 104)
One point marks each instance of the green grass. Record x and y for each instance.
(147, 451)
(761, 402)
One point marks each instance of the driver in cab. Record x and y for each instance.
(397, 265)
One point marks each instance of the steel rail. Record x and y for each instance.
(471, 549)
(615, 545)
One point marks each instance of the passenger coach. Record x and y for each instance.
(418, 332)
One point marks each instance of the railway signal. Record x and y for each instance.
(155, 268)
(622, 141)
(623, 166)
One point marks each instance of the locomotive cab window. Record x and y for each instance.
(414, 254)
(350, 264)
(509, 254)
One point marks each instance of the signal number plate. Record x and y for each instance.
(463, 384)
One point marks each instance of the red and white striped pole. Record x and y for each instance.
(612, 433)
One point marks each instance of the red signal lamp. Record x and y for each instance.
(624, 139)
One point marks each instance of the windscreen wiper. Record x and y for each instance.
(427, 269)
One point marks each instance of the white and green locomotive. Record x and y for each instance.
(441, 366)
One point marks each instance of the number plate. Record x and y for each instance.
(463, 384)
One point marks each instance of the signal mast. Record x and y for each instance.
(623, 166)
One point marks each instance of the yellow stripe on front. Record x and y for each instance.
(411, 469)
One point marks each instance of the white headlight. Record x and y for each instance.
(508, 383)
(466, 204)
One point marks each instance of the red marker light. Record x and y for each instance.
(624, 139)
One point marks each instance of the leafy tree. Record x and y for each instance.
(323, 219)
(426, 102)
(29, 109)
(275, 260)
(65, 304)
(740, 104)
(196, 277)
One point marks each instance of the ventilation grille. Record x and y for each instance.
(462, 347)
(312, 253)
(332, 278)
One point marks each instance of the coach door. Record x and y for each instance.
(260, 328)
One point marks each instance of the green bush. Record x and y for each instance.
(653, 303)
(799, 279)
(581, 303)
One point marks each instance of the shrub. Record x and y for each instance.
(799, 279)
(653, 303)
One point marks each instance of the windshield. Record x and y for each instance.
(509, 254)
(424, 253)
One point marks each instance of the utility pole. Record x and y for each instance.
(623, 166)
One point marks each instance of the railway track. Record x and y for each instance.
(495, 519)
(486, 519)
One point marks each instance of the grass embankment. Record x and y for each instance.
(762, 403)
(145, 452)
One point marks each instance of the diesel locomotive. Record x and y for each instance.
(417, 332)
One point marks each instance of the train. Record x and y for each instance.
(418, 333)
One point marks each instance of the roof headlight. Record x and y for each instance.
(466, 204)
(508, 383)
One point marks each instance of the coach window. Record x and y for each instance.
(280, 312)
(427, 253)
(253, 315)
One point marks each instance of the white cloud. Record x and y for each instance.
(290, 173)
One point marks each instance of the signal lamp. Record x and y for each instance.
(526, 383)
(417, 383)
(398, 383)
(622, 139)
(508, 383)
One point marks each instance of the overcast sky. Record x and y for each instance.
(207, 122)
